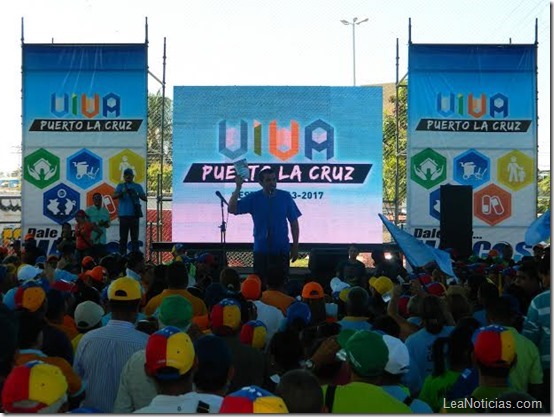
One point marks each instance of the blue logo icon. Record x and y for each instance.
(61, 203)
(435, 204)
(472, 168)
(84, 169)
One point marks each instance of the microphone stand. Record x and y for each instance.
(223, 228)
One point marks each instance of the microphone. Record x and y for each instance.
(217, 193)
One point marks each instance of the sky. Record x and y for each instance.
(268, 42)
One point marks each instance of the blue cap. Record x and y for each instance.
(298, 311)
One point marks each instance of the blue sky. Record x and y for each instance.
(269, 42)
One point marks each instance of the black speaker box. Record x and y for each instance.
(456, 218)
(325, 261)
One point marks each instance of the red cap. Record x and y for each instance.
(98, 273)
(88, 262)
(312, 290)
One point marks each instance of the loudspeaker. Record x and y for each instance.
(456, 218)
(323, 262)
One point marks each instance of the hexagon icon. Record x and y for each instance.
(516, 170)
(41, 168)
(123, 160)
(84, 168)
(428, 168)
(107, 201)
(492, 204)
(472, 168)
(61, 203)
(435, 204)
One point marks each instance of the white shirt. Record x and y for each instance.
(271, 316)
(187, 403)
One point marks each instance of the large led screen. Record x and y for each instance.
(325, 144)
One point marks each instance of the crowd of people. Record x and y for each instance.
(119, 334)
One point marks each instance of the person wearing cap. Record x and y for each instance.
(119, 337)
(210, 366)
(271, 316)
(357, 310)
(129, 210)
(136, 390)
(88, 316)
(35, 387)
(249, 363)
(253, 399)
(397, 365)
(176, 276)
(30, 349)
(271, 209)
(494, 352)
(87, 263)
(367, 355)
(170, 362)
(253, 333)
(527, 374)
(100, 216)
(31, 297)
(97, 277)
(83, 235)
(314, 296)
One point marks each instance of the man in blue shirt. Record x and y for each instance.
(129, 210)
(270, 209)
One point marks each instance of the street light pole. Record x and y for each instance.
(354, 23)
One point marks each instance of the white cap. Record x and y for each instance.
(399, 357)
(27, 272)
(337, 285)
(88, 314)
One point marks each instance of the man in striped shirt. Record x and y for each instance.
(537, 325)
(102, 353)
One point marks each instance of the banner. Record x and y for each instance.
(472, 120)
(325, 144)
(84, 122)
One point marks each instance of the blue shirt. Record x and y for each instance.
(355, 323)
(401, 393)
(97, 215)
(127, 202)
(100, 358)
(270, 215)
(420, 347)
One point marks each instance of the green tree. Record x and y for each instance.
(543, 192)
(160, 116)
(390, 152)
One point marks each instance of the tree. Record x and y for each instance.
(543, 192)
(390, 152)
(160, 115)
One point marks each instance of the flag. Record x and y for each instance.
(417, 253)
(539, 230)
